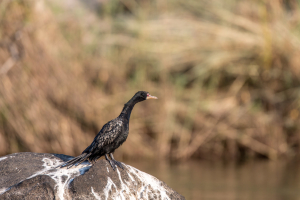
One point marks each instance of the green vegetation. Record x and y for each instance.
(226, 74)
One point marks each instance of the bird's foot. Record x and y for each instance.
(112, 164)
(118, 163)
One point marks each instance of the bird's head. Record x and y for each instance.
(142, 95)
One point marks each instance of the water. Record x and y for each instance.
(256, 180)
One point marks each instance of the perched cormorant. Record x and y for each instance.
(111, 136)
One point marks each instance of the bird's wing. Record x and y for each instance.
(109, 132)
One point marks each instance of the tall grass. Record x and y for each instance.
(226, 74)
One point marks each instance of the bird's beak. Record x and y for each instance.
(151, 97)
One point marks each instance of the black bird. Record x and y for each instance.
(111, 136)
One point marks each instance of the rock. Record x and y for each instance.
(34, 176)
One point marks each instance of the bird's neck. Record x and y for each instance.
(128, 108)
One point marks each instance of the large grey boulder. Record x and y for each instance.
(34, 176)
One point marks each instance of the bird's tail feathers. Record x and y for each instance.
(75, 161)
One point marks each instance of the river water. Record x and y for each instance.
(255, 180)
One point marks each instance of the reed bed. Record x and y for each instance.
(226, 74)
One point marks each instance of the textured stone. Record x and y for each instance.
(34, 176)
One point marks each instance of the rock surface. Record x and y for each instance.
(33, 176)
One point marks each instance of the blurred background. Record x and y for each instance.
(227, 75)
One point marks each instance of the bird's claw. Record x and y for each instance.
(112, 164)
(119, 164)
